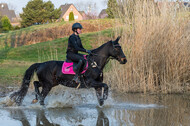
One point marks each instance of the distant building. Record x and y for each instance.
(84, 16)
(66, 10)
(4, 11)
(103, 14)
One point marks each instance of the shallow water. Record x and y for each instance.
(71, 107)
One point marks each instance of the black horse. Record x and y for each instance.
(50, 74)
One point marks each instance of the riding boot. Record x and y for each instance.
(77, 68)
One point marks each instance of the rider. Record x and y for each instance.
(75, 45)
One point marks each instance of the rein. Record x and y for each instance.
(93, 63)
(93, 54)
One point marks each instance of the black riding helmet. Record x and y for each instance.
(76, 25)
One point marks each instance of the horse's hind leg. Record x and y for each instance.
(45, 91)
(36, 86)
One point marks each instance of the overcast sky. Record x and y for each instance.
(81, 5)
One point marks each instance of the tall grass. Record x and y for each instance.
(156, 41)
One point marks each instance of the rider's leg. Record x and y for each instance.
(77, 71)
(80, 60)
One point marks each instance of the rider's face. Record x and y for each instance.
(79, 30)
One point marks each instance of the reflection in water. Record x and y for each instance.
(102, 119)
(20, 116)
(41, 120)
(137, 110)
(58, 117)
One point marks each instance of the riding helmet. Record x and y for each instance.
(76, 25)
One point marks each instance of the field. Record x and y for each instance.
(156, 44)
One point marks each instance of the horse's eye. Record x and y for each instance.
(118, 48)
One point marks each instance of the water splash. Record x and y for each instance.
(63, 97)
(6, 102)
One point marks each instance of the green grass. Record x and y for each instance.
(15, 61)
(11, 72)
(49, 50)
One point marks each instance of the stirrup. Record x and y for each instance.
(76, 79)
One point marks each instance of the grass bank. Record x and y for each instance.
(48, 32)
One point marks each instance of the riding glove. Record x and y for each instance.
(88, 51)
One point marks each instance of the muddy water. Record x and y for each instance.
(80, 108)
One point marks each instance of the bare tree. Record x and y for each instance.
(90, 8)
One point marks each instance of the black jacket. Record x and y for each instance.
(74, 44)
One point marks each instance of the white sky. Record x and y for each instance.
(81, 5)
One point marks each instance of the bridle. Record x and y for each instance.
(94, 64)
(115, 45)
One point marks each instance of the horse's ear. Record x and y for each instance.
(118, 38)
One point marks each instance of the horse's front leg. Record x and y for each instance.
(101, 91)
(105, 94)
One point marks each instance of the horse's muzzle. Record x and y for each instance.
(123, 60)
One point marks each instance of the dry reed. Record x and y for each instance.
(156, 41)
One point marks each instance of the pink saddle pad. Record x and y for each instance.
(67, 67)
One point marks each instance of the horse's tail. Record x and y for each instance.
(20, 94)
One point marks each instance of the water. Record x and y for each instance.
(71, 107)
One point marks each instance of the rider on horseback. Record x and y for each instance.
(75, 45)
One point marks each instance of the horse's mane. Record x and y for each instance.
(102, 46)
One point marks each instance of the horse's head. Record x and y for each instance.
(116, 52)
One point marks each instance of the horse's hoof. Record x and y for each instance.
(42, 103)
(34, 101)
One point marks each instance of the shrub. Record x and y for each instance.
(6, 25)
(71, 16)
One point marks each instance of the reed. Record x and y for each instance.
(156, 41)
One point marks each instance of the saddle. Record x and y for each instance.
(67, 67)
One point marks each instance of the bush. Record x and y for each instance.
(5, 24)
(16, 27)
(71, 16)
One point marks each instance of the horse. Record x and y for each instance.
(50, 74)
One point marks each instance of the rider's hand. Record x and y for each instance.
(88, 51)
